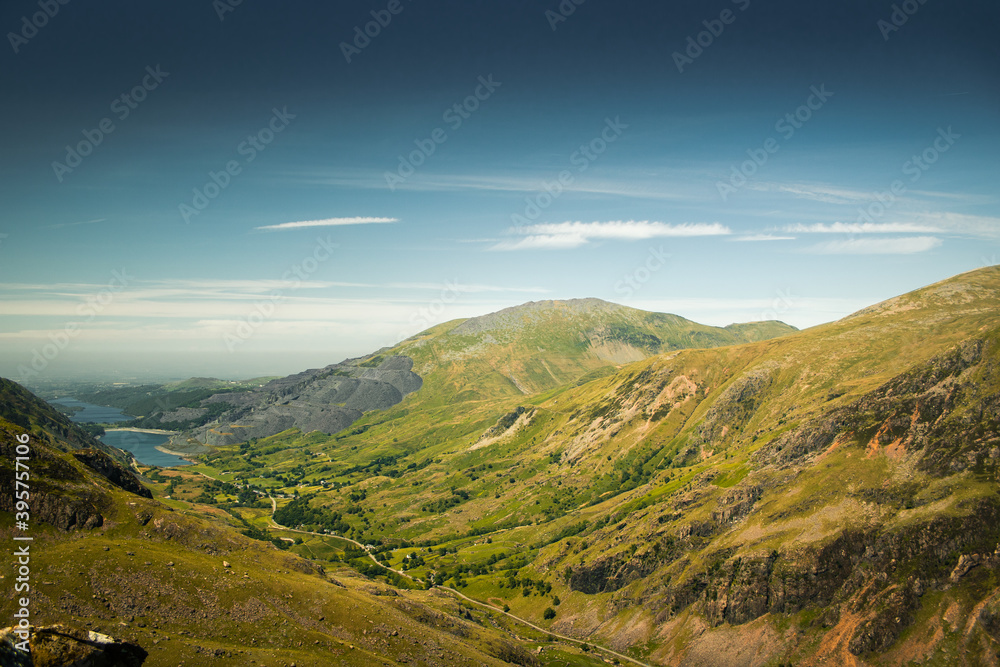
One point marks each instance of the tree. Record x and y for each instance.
(549, 613)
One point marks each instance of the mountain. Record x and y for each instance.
(823, 497)
(829, 494)
(186, 587)
(542, 345)
(517, 351)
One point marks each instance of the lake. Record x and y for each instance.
(143, 446)
(98, 414)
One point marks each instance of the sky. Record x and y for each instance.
(242, 188)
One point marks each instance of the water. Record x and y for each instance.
(143, 446)
(93, 413)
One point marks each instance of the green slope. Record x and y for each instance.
(181, 582)
(802, 493)
(543, 345)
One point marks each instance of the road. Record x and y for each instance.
(578, 642)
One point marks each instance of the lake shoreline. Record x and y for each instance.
(182, 455)
(153, 431)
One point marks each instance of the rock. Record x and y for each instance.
(10, 656)
(111, 470)
(62, 646)
(226, 564)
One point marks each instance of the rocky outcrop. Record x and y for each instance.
(737, 503)
(63, 646)
(60, 495)
(736, 405)
(503, 424)
(112, 471)
(916, 411)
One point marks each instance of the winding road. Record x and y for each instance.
(572, 640)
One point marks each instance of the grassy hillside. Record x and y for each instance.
(543, 345)
(831, 492)
(179, 580)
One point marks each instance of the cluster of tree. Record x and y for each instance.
(300, 513)
(527, 585)
(93, 430)
(457, 497)
(413, 560)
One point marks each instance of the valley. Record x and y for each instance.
(635, 486)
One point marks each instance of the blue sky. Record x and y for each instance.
(202, 188)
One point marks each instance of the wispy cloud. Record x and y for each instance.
(565, 235)
(907, 245)
(864, 228)
(827, 194)
(329, 222)
(648, 187)
(977, 226)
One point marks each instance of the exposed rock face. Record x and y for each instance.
(112, 471)
(916, 410)
(62, 646)
(60, 494)
(503, 424)
(327, 400)
(736, 404)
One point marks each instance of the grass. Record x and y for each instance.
(623, 451)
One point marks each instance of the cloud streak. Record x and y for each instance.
(329, 222)
(566, 235)
(908, 245)
(864, 228)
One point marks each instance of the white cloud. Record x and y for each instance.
(330, 222)
(977, 226)
(907, 245)
(575, 234)
(864, 228)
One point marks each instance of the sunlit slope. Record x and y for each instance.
(850, 467)
(189, 589)
(542, 345)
